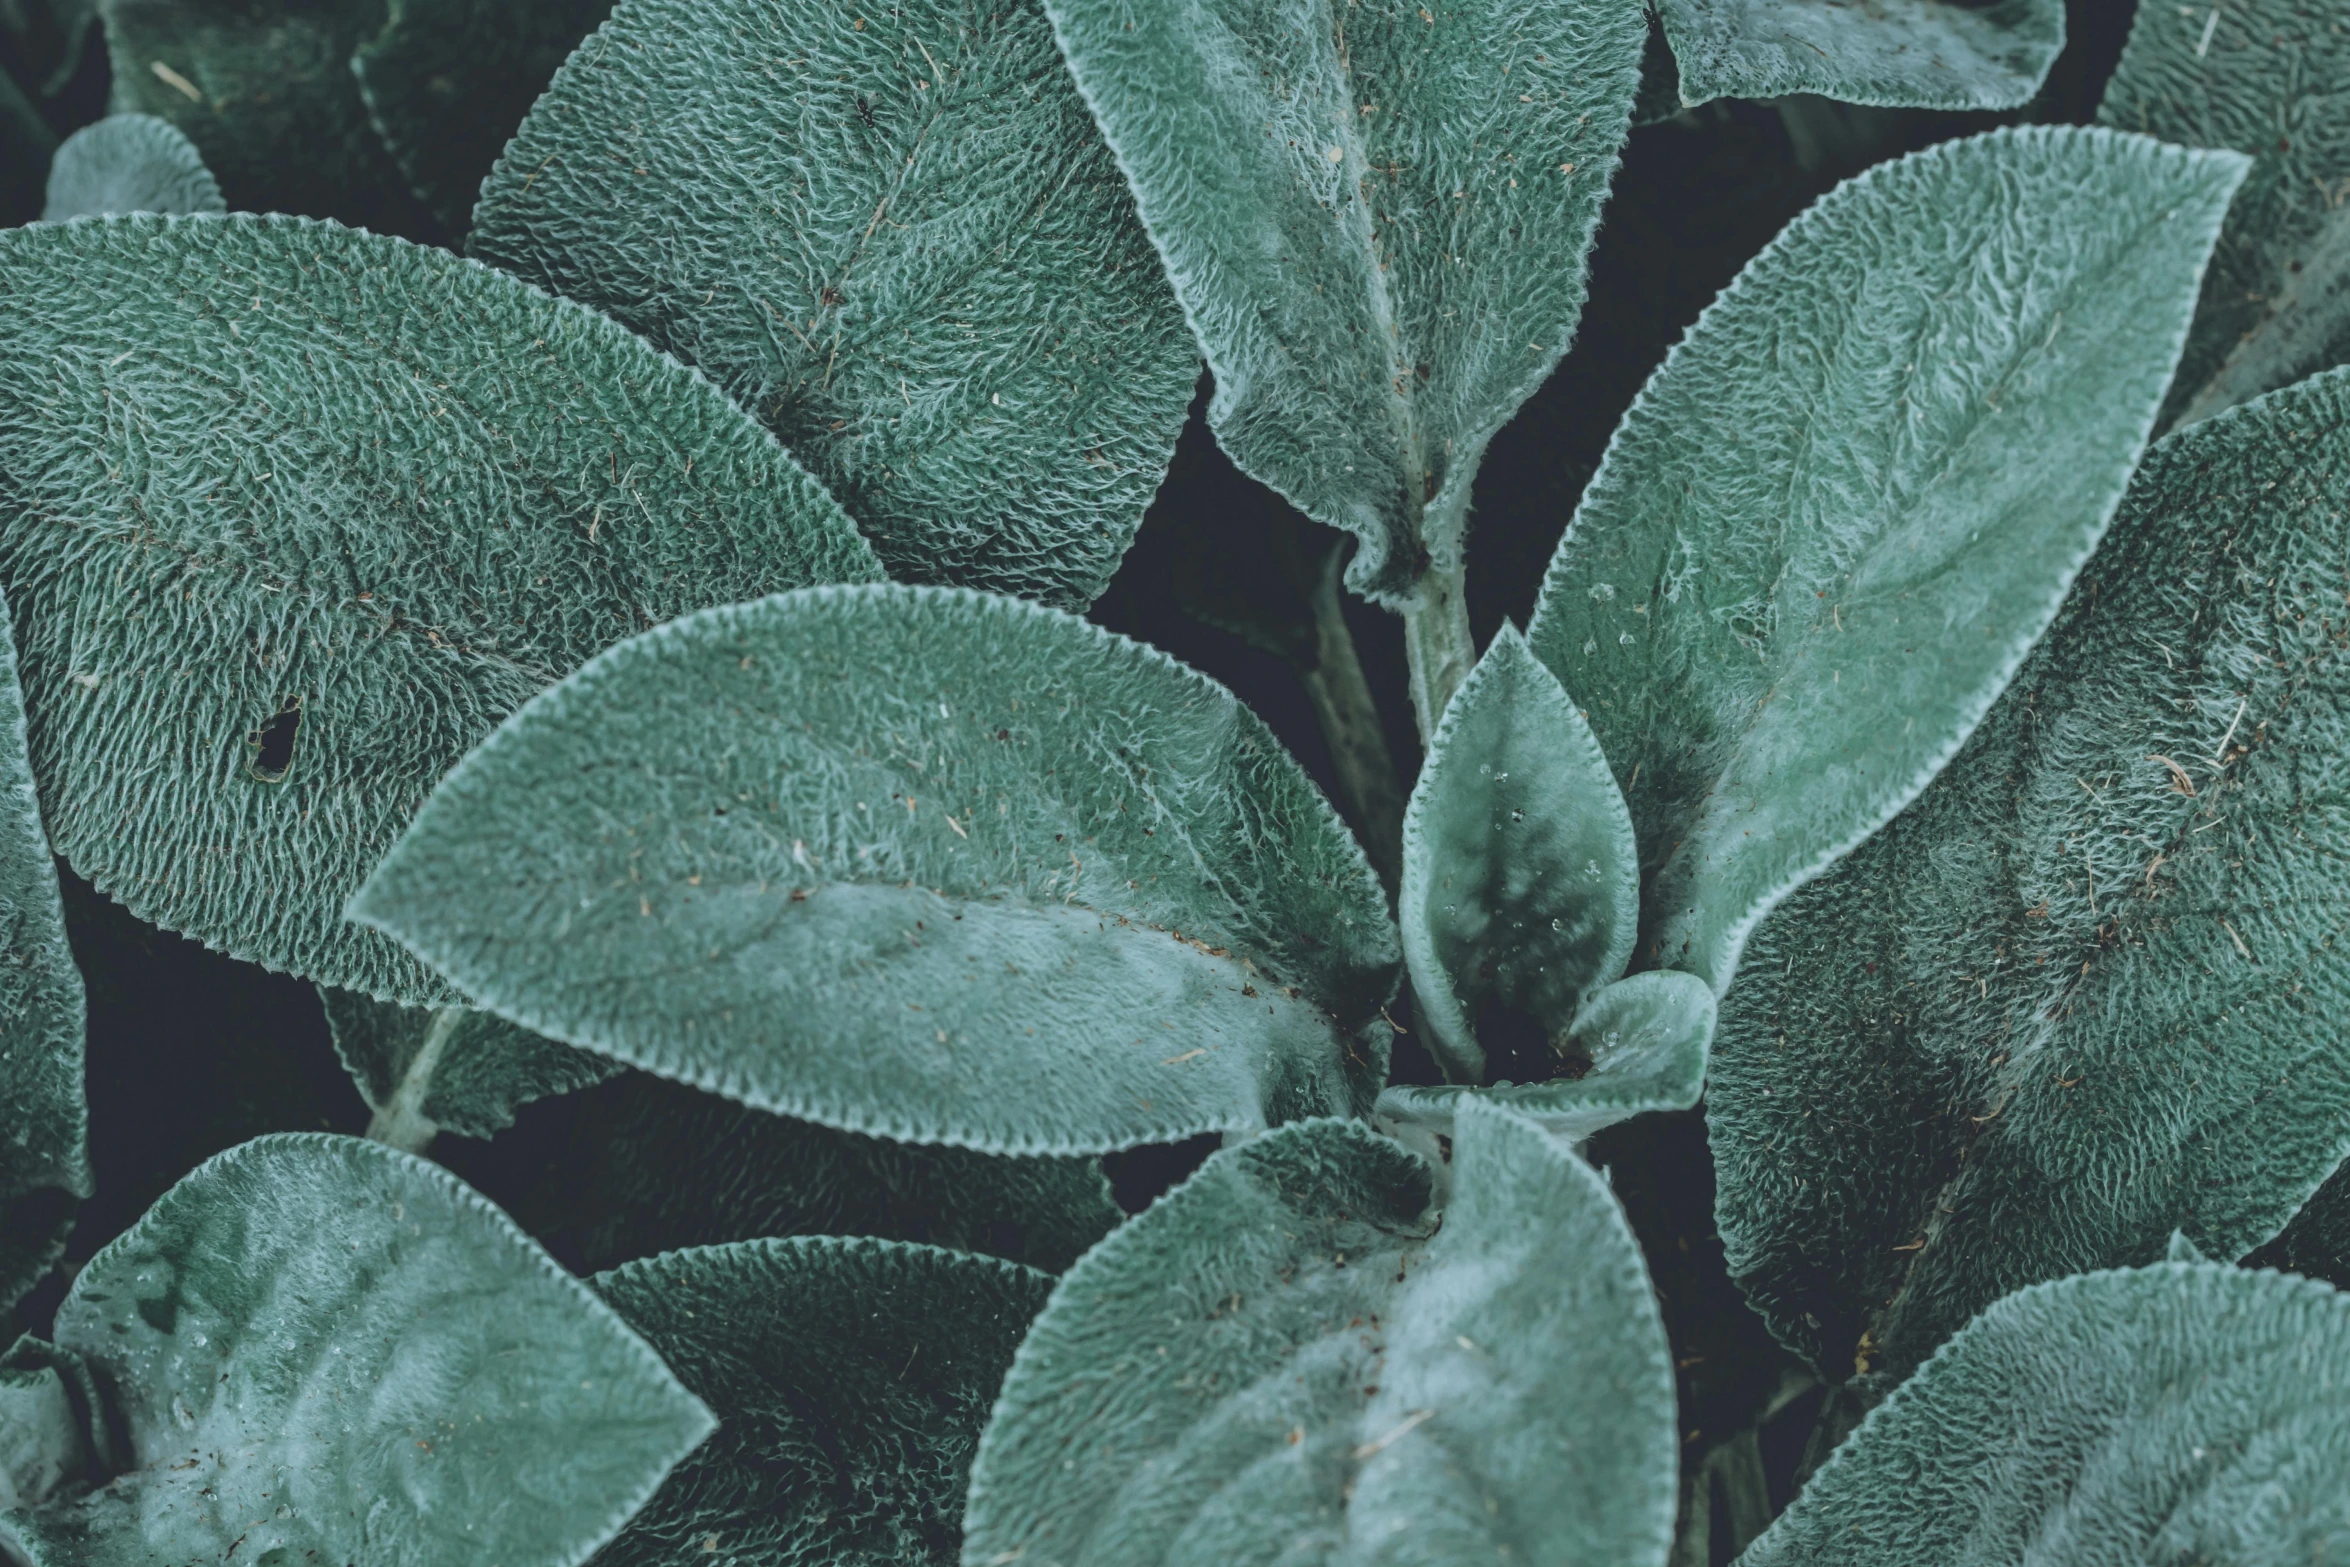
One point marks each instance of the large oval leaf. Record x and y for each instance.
(44, 1118)
(320, 1349)
(2266, 77)
(1376, 217)
(916, 862)
(2183, 1412)
(129, 163)
(850, 1378)
(291, 515)
(1844, 507)
(2082, 992)
(1285, 1361)
(1924, 54)
(893, 236)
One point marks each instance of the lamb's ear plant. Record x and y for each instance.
(1903, 757)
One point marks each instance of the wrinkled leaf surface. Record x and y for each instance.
(1922, 54)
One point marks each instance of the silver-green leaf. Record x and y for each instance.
(1845, 506)
(895, 237)
(2083, 992)
(1521, 887)
(850, 1379)
(918, 862)
(129, 163)
(292, 515)
(2182, 1412)
(1287, 1361)
(1376, 217)
(421, 1069)
(1922, 54)
(323, 1350)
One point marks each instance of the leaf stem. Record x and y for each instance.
(1350, 723)
(400, 1121)
(1438, 645)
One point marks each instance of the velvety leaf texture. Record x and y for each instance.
(129, 163)
(1521, 887)
(323, 1350)
(1376, 217)
(2265, 77)
(291, 516)
(265, 92)
(425, 1068)
(917, 862)
(893, 234)
(44, 1118)
(850, 1379)
(1635, 1046)
(2178, 1413)
(650, 1166)
(447, 82)
(2083, 992)
(1922, 54)
(1284, 1361)
(1842, 510)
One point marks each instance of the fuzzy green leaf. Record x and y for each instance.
(1521, 888)
(323, 1350)
(2183, 1412)
(447, 83)
(129, 163)
(850, 1379)
(649, 1166)
(44, 1117)
(1285, 1361)
(894, 236)
(1846, 505)
(264, 89)
(424, 1068)
(1922, 54)
(53, 1438)
(917, 862)
(2078, 995)
(292, 515)
(1376, 219)
(1635, 1046)
(2265, 78)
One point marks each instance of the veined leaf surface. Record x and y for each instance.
(850, 1379)
(1842, 510)
(424, 1068)
(1376, 217)
(917, 862)
(2087, 989)
(129, 163)
(1922, 54)
(292, 515)
(892, 234)
(1284, 1360)
(320, 1349)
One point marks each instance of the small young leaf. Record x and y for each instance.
(129, 163)
(2263, 77)
(421, 1069)
(447, 82)
(321, 1349)
(2077, 995)
(292, 515)
(850, 1379)
(1521, 888)
(1640, 1043)
(264, 90)
(1283, 1360)
(1922, 54)
(894, 237)
(648, 1166)
(916, 862)
(2183, 1412)
(44, 1117)
(1377, 284)
(1850, 500)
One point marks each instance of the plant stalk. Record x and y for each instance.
(1438, 646)
(1350, 724)
(400, 1121)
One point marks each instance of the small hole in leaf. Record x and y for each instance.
(273, 742)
